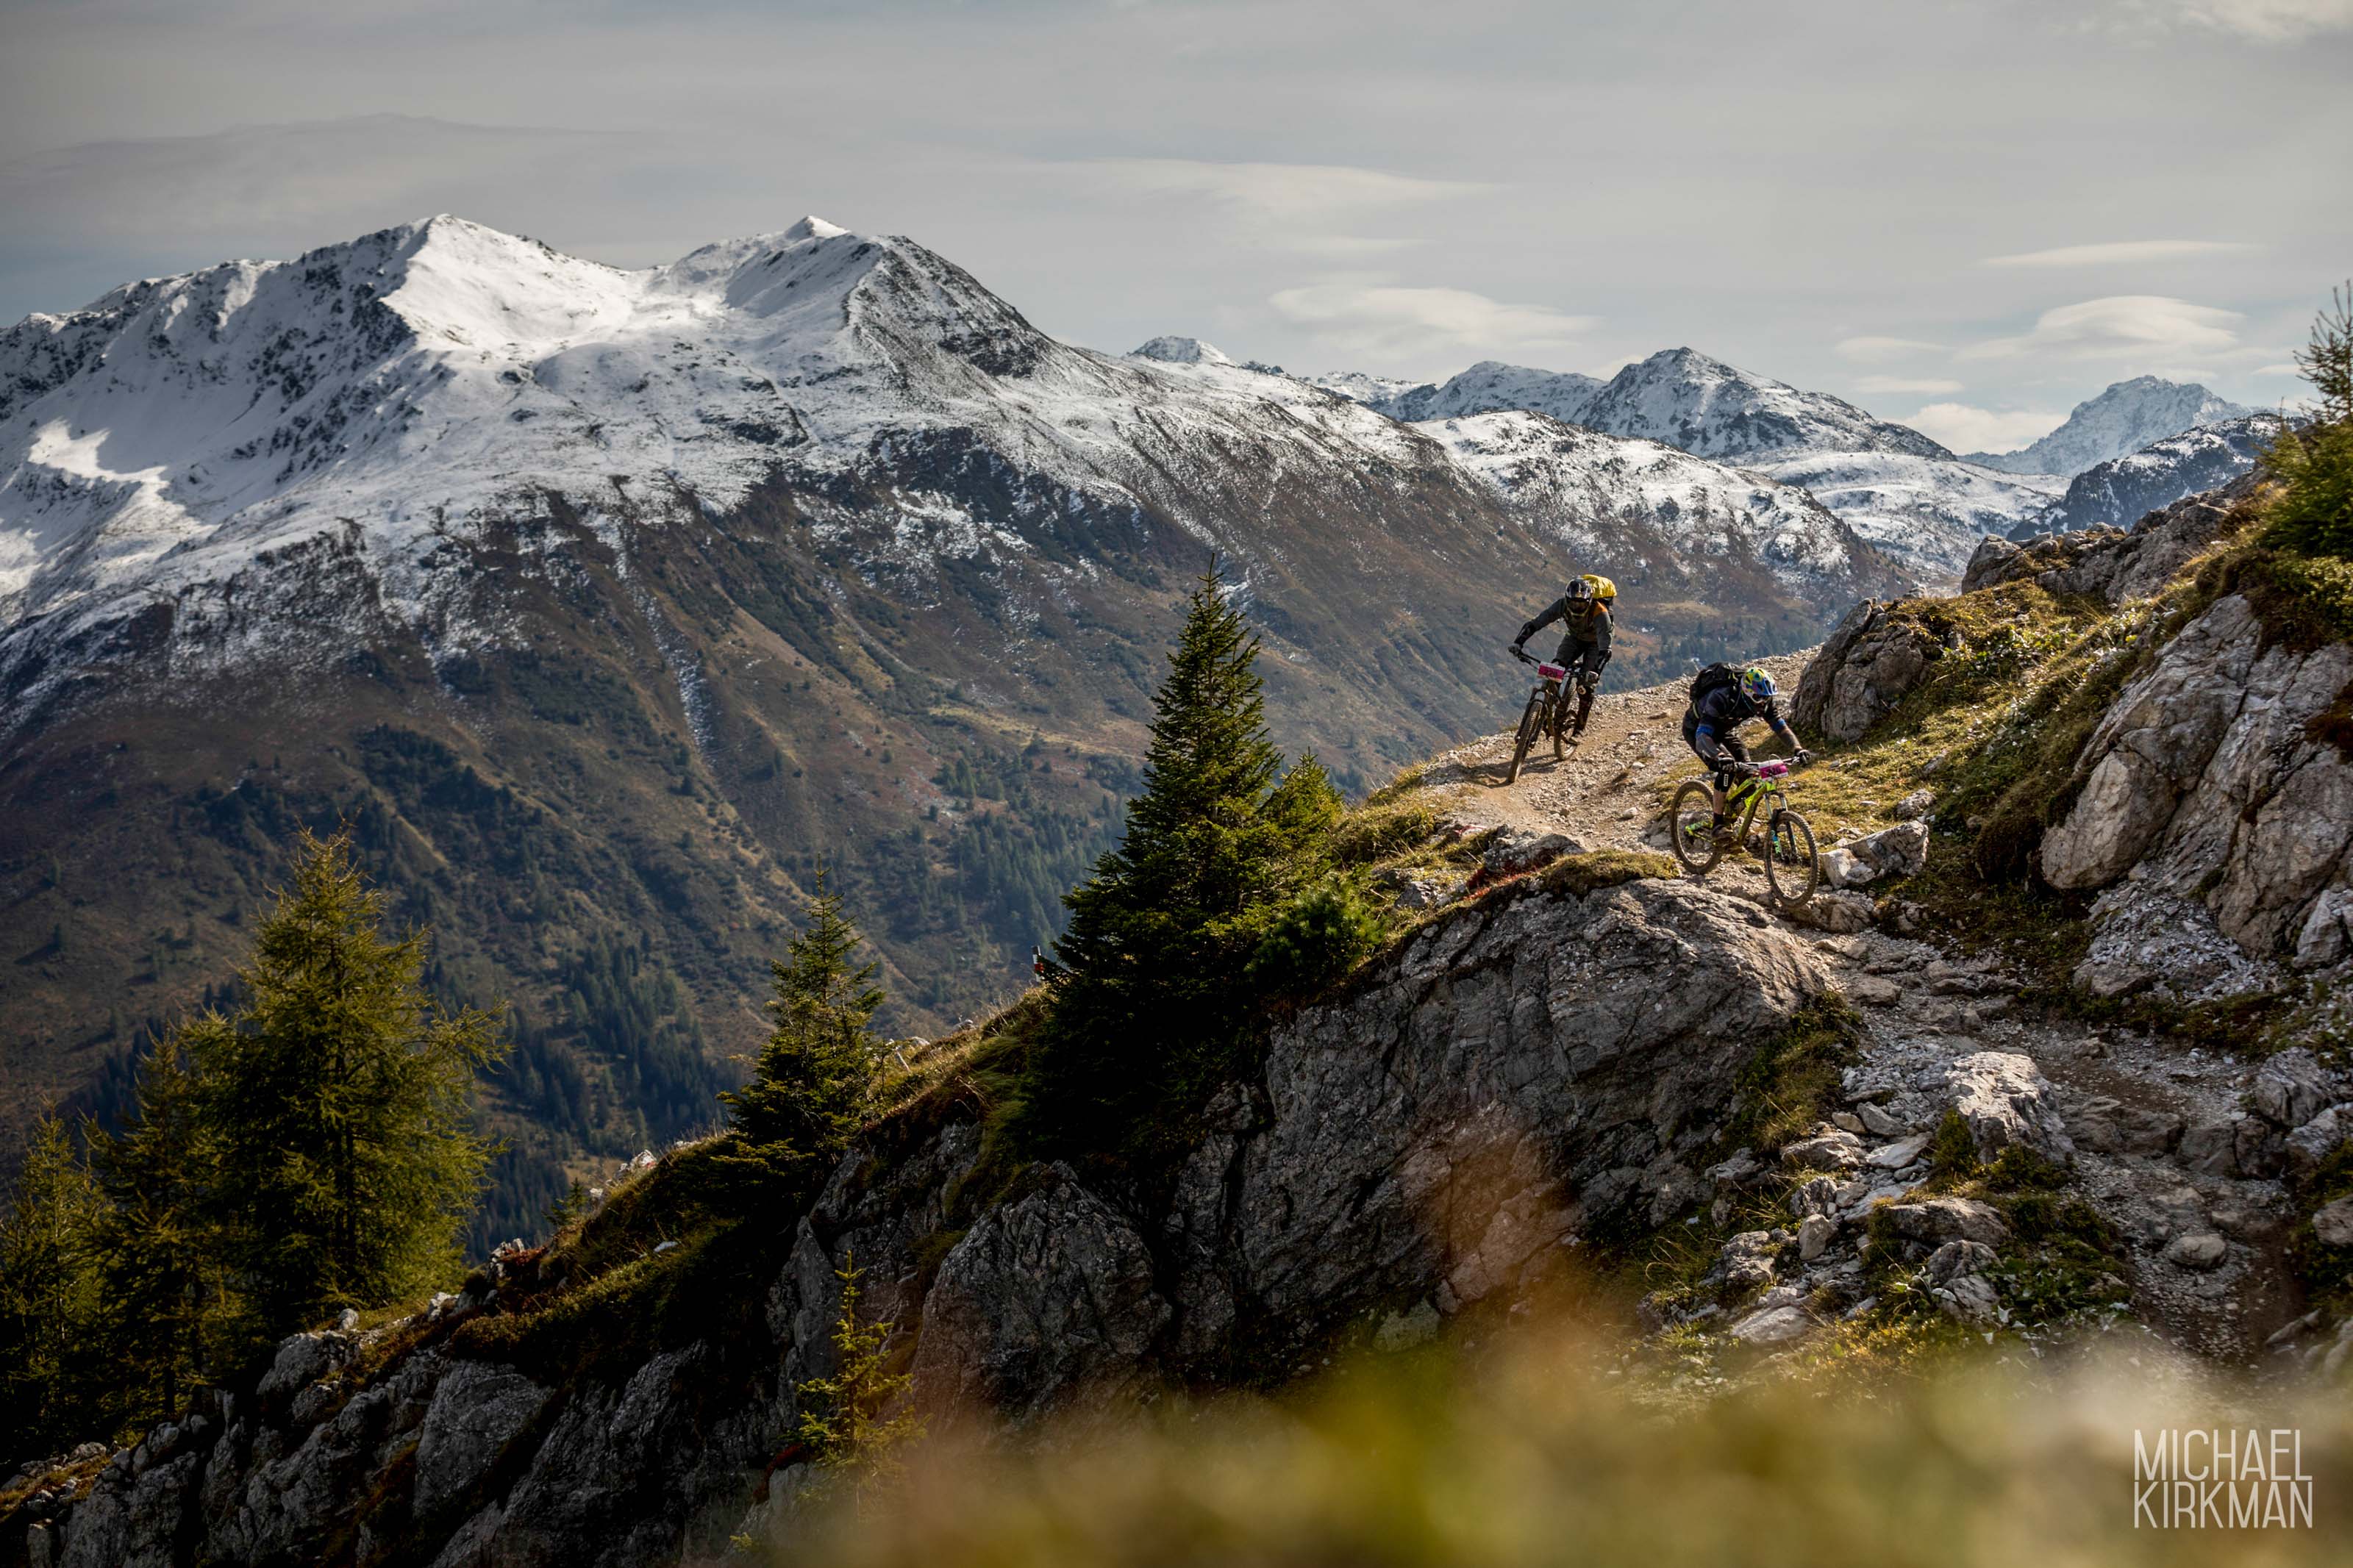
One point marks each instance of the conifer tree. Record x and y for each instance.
(163, 1253)
(2313, 511)
(339, 1100)
(843, 1417)
(1161, 933)
(50, 1302)
(813, 1082)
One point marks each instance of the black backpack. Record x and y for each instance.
(1715, 678)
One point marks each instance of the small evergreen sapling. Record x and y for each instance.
(843, 1418)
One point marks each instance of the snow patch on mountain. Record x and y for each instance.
(1491, 385)
(1572, 478)
(2123, 419)
(1926, 513)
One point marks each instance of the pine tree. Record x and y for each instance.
(163, 1253)
(338, 1097)
(842, 1416)
(2313, 511)
(813, 1082)
(51, 1301)
(1161, 933)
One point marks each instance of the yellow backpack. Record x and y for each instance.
(1603, 588)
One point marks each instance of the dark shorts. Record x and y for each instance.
(1731, 744)
(1577, 654)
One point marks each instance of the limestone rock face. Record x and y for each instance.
(2213, 808)
(1511, 1076)
(1869, 662)
(1041, 1299)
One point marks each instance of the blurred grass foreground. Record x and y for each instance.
(1543, 1452)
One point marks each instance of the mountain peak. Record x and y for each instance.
(1172, 349)
(814, 228)
(2123, 418)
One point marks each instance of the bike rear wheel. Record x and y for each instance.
(1531, 722)
(1691, 822)
(1559, 723)
(1792, 870)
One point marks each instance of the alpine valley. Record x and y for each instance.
(608, 607)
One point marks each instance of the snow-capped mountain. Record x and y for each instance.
(1908, 496)
(1709, 408)
(1489, 386)
(2122, 490)
(1693, 507)
(2128, 417)
(803, 548)
(1172, 350)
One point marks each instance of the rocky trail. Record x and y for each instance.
(2159, 1134)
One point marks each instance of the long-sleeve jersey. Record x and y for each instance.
(1721, 711)
(1588, 624)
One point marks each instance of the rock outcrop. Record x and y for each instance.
(2213, 804)
(1527, 1067)
(1870, 660)
(2111, 563)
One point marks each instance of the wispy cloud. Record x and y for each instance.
(2122, 251)
(2271, 21)
(2121, 326)
(1968, 429)
(1878, 350)
(1924, 385)
(1394, 320)
(1295, 206)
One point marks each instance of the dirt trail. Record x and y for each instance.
(1925, 1004)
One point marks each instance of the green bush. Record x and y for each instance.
(1319, 937)
(2312, 513)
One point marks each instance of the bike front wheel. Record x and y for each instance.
(1792, 870)
(1691, 820)
(1531, 724)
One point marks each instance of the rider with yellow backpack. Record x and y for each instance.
(1585, 616)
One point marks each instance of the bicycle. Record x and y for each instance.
(1549, 710)
(1793, 869)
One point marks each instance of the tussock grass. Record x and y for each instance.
(1536, 1454)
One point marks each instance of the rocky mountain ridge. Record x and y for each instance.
(2125, 417)
(1895, 487)
(2120, 491)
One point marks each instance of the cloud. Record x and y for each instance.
(1292, 206)
(1968, 429)
(1925, 386)
(1393, 320)
(2122, 326)
(2271, 21)
(1875, 350)
(2121, 251)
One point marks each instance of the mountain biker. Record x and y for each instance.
(1584, 614)
(1723, 699)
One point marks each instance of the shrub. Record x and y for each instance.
(1320, 936)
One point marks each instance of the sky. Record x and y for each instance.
(1967, 215)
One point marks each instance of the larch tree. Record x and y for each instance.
(340, 1096)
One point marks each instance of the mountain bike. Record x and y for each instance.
(1792, 869)
(1548, 711)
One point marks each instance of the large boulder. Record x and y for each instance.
(1872, 659)
(1898, 851)
(2006, 1103)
